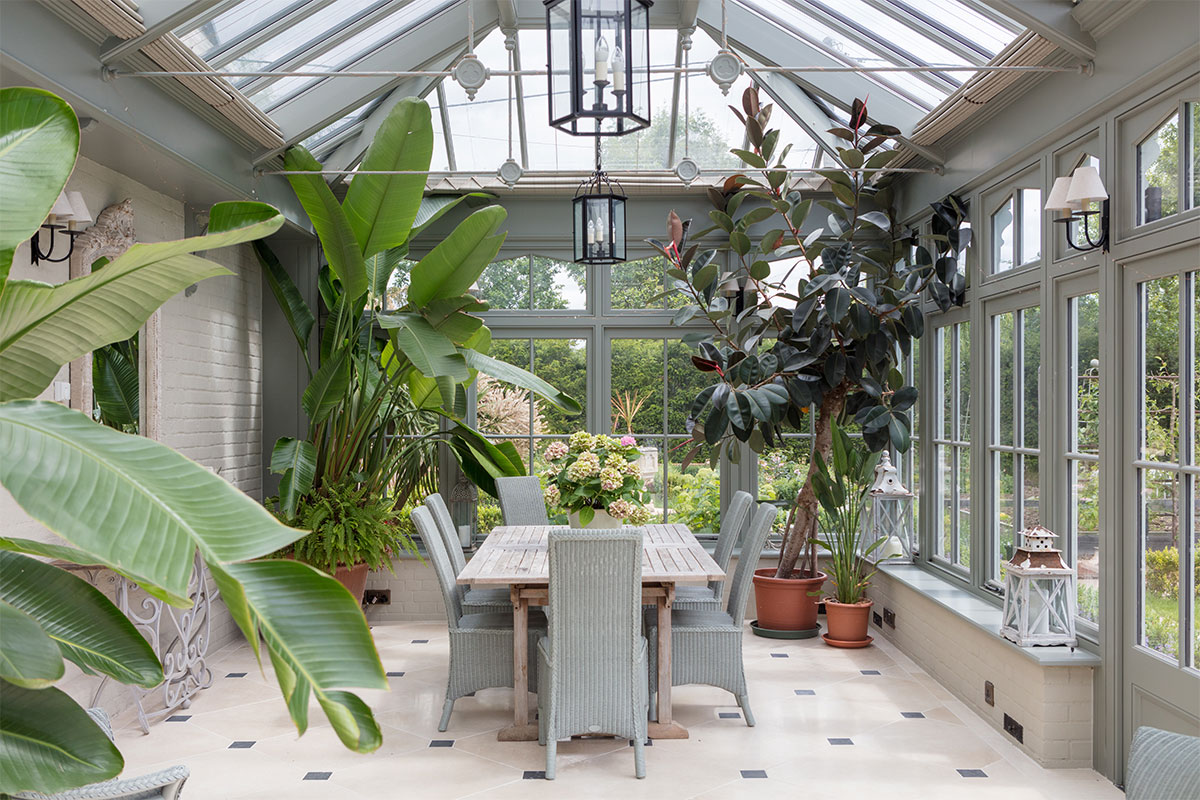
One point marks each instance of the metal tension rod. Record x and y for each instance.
(559, 174)
(110, 73)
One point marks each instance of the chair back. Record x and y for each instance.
(752, 546)
(427, 529)
(521, 501)
(1162, 765)
(733, 522)
(445, 525)
(595, 626)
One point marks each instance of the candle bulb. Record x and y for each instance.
(591, 232)
(599, 232)
(618, 67)
(602, 60)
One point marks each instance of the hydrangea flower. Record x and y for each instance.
(611, 479)
(585, 466)
(552, 495)
(581, 441)
(631, 469)
(639, 515)
(620, 508)
(556, 450)
(628, 441)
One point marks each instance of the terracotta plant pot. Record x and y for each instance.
(354, 579)
(786, 604)
(847, 623)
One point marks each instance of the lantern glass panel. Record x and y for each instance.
(618, 229)
(558, 25)
(580, 228)
(639, 57)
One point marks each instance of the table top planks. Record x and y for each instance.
(516, 554)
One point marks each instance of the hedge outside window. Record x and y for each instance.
(952, 445)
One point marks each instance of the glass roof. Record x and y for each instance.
(283, 36)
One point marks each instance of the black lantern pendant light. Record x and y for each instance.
(599, 53)
(599, 220)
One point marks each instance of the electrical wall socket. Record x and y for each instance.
(878, 620)
(1014, 728)
(989, 693)
(889, 617)
(377, 597)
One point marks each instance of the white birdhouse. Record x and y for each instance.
(1039, 593)
(891, 516)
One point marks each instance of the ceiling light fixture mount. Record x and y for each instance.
(471, 74)
(725, 68)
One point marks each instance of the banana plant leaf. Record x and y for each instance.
(39, 138)
(29, 658)
(116, 387)
(296, 461)
(381, 208)
(522, 378)
(82, 623)
(459, 259)
(329, 221)
(430, 352)
(49, 744)
(43, 327)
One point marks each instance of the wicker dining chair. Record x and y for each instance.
(474, 601)
(706, 646)
(481, 645)
(592, 666)
(521, 501)
(733, 522)
(166, 784)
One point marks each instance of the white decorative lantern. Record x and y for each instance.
(891, 516)
(1039, 593)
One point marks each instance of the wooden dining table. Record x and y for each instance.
(516, 556)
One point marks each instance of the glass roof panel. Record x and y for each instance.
(479, 127)
(905, 39)
(349, 51)
(965, 20)
(334, 129)
(230, 26)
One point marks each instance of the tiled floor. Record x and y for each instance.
(829, 721)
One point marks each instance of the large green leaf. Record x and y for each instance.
(49, 744)
(329, 221)
(130, 502)
(29, 657)
(296, 461)
(327, 387)
(88, 628)
(429, 350)
(39, 139)
(522, 378)
(43, 327)
(380, 267)
(295, 310)
(436, 206)
(381, 208)
(116, 386)
(459, 259)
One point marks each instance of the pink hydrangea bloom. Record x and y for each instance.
(628, 441)
(556, 450)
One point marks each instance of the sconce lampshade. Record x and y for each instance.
(1086, 186)
(62, 210)
(79, 209)
(1057, 199)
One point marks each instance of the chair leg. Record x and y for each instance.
(551, 755)
(743, 701)
(639, 758)
(447, 710)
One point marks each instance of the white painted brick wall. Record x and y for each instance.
(210, 370)
(1053, 704)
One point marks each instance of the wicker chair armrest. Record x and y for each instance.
(165, 784)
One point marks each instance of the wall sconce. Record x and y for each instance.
(68, 208)
(1071, 196)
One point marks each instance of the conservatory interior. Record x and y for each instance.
(598, 398)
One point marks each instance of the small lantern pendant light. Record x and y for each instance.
(599, 54)
(599, 219)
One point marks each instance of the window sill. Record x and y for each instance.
(982, 614)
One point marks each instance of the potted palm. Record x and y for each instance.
(596, 480)
(823, 337)
(842, 493)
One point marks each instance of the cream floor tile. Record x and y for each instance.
(892, 757)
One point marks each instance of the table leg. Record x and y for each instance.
(521, 730)
(665, 727)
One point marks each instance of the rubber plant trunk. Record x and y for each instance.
(354, 579)
(786, 598)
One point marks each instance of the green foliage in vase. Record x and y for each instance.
(349, 526)
(129, 503)
(829, 332)
(842, 492)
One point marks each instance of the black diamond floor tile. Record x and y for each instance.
(317, 776)
(729, 715)
(534, 775)
(779, 655)
(179, 718)
(419, 641)
(754, 773)
(805, 692)
(241, 745)
(871, 672)
(442, 743)
(235, 674)
(841, 740)
(395, 674)
(972, 773)
(912, 715)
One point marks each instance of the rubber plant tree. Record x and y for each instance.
(827, 335)
(366, 403)
(126, 502)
